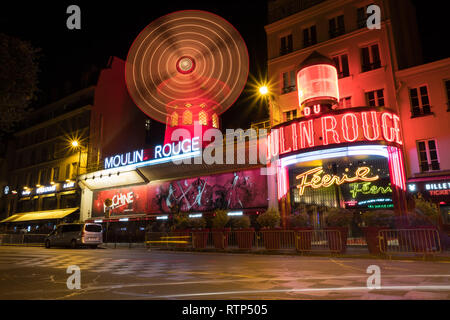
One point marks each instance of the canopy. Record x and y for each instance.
(40, 215)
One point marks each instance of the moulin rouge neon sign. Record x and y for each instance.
(367, 125)
(319, 180)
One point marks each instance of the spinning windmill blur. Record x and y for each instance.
(185, 69)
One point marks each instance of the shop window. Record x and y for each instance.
(370, 58)
(69, 201)
(203, 118)
(428, 155)
(215, 120)
(342, 66)
(174, 119)
(49, 203)
(375, 98)
(420, 102)
(289, 82)
(309, 36)
(286, 45)
(337, 26)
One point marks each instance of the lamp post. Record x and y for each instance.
(76, 145)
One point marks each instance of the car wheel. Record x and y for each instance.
(73, 244)
(47, 244)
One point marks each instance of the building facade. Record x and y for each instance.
(377, 68)
(424, 99)
(44, 160)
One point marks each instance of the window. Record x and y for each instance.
(69, 201)
(288, 82)
(49, 203)
(203, 118)
(174, 119)
(187, 117)
(370, 57)
(215, 121)
(342, 67)
(148, 133)
(55, 174)
(290, 115)
(309, 36)
(337, 26)
(428, 155)
(74, 170)
(68, 173)
(420, 103)
(345, 103)
(447, 89)
(286, 44)
(375, 98)
(362, 16)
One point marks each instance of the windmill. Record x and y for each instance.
(185, 69)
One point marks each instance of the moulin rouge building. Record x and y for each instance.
(328, 157)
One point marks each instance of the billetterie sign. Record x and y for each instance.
(365, 124)
(166, 151)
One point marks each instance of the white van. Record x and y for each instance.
(75, 235)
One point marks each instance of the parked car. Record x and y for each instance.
(75, 235)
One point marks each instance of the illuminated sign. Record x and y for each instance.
(120, 160)
(346, 127)
(68, 185)
(373, 201)
(368, 188)
(173, 149)
(320, 180)
(26, 192)
(437, 186)
(120, 200)
(169, 151)
(6, 190)
(46, 189)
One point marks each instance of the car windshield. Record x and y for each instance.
(93, 228)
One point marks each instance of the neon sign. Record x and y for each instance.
(120, 160)
(320, 180)
(367, 124)
(368, 188)
(173, 150)
(47, 189)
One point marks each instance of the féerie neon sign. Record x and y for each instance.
(368, 188)
(320, 180)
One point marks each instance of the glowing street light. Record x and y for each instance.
(263, 90)
(74, 143)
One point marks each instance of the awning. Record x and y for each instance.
(40, 215)
(428, 178)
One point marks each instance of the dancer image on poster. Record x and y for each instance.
(200, 190)
(233, 198)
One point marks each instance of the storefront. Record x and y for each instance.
(435, 189)
(148, 194)
(347, 159)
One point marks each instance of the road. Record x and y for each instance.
(39, 273)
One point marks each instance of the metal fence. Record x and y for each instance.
(406, 241)
(279, 240)
(24, 238)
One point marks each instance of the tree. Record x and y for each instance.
(18, 80)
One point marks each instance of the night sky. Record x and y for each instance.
(109, 28)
